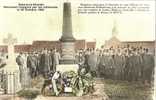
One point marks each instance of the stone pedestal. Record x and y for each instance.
(68, 51)
(12, 74)
(11, 70)
(67, 67)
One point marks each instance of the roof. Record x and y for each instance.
(138, 41)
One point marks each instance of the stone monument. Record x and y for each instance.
(67, 61)
(67, 39)
(11, 69)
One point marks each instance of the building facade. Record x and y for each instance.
(114, 42)
(39, 45)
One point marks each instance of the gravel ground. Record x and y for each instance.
(99, 94)
(123, 90)
(115, 90)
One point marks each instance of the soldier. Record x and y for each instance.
(2, 60)
(77, 57)
(86, 57)
(32, 64)
(148, 67)
(39, 69)
(51, 55)
(129, 65)
(135, 65)
(20, 62)
(123, 65)
(37, 56)
(118, 64)
(112, 64)
(101, 65)
(81, 60)
(115, 66)
(45, 63)
(105, 62)
(92, 61)
(139, 65)
(141, 53)
(99, 56)
(56, 59)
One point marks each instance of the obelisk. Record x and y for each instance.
(67, 39)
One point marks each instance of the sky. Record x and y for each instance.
(47, 25)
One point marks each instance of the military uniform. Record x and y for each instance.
(45, 64)
(56, 59)
(32, 65)
(118, 60)
(92, 61)
(148, 67)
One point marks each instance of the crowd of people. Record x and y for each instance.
(39, 63)
(122, 63)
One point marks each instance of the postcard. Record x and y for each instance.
(77, 50)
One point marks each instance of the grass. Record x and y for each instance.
(37, 82)
(28, 93)
(123, 90)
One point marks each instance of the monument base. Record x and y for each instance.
(68, 53)
(12, 74)
(67, 67)
(65, 61)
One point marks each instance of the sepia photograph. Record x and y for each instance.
(77, 50)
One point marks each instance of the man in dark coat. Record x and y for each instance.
(135, 66)
(92, 61)
(45, 63)
(2, 60)
(111, 63)
(86, 57)
(129, 67)
(32, 64)
(51, 54)
(37, 56)
(101, 65)
(122, 74)
(20, 62)
(56, 59)
(148, 68)
(118, 61)
(105, 58)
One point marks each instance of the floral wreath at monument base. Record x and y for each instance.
(75, 84)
